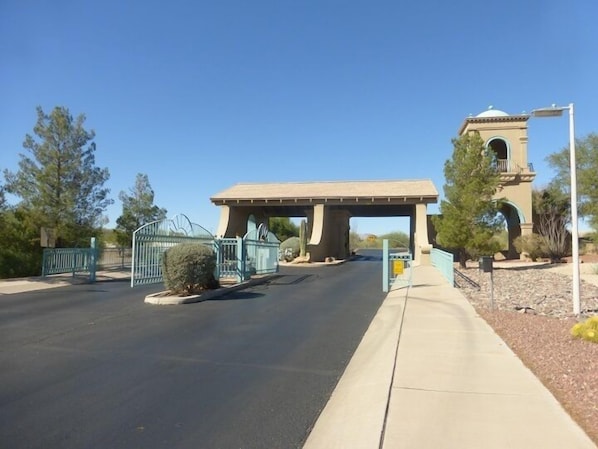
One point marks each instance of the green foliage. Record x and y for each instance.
(138, 210)
(534, 245)
(469, 215)
(3, 205)
(397, 239)
(355, 241)
(303, 238)
(20, 251)
(109, 237)
(587, 330)
(189, 268)
(551, 207)
(502, 239)
(290, 248)
(586, 158)
(59, 185)
(283, 228)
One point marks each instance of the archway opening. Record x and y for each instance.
(369, 232)
(501, 152)
(513, 228)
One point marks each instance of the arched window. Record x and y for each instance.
(501, 150)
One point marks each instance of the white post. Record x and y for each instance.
(574, 224)
(385, 263)
(555, 111)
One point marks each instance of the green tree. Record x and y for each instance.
(59, 185)
(20, 253)
(283, 228)
(586, 158)
(469, 216)
(355, 240)
(552, 209)
(396, 239)
(138, 209)
(2, 198)
(19, 256)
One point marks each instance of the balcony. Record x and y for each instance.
(510, 171)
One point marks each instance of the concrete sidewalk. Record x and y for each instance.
(19, 285)
(430, 373)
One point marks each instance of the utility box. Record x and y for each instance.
(486, 264)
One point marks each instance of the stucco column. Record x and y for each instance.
(233, 220)
(527, 228)
(329, 234)
(421, 245)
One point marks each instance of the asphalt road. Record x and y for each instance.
(92, 366)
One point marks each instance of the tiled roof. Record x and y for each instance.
(331, 189)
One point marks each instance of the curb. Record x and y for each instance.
(159, 299)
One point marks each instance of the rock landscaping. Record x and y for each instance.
(533, 314)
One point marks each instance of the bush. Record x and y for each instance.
(588, 330)
(533, 245)
(289, 249)
(189, 268)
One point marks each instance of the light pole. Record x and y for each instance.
(557, 111)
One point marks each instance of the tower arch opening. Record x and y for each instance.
(513, 220)
(500, 148)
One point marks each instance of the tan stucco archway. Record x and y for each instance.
(328, 207)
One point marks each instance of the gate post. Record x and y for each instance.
(385, 279)
(92, 260)
(218, 251)
(240, 259)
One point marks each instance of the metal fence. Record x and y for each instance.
(113, 258)
(236, 258)
(69, 260)
(153, 239)
(262, 250)
(229, 258)
(444, 261)
(397, 268)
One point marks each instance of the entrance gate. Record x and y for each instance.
(150, 242)
(262, 248)
(236, 258)
(397, 268)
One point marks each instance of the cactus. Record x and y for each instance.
(302, 238)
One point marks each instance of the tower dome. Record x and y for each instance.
(491, 112)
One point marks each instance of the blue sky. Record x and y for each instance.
(200, 95)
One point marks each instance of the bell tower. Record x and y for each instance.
(506, 136)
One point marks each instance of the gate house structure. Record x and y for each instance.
(328, 206)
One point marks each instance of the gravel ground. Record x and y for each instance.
(533, 314)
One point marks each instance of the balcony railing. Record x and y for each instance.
(508, 166)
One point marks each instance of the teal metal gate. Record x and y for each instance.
(236, 258)
(71, 260)
(150, 242)
(397, 268)
(262, 249)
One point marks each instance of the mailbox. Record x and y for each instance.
(486, 264)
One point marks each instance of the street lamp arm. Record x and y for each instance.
(552, 111)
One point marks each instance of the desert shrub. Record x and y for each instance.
(534, 245)
(289, 249)
(587, 330)
(189, 268)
